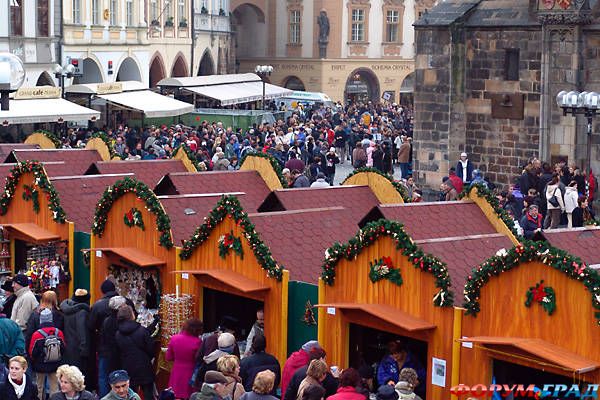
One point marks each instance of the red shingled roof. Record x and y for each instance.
(6, 148)
(358, 200)
(183, 224)
(463, 254)
(79, 160)
(581, 242)
(79, 195)
(439, 220)
(147, 171)
(249, 182)
(298, 239)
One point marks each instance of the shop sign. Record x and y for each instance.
(391, 67)
(38, 92)
(109, 88)
(482, 391)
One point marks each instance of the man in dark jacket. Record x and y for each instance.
(330, 383)
(531, 223)
(257, 362)
(76, 312)
(7, 286)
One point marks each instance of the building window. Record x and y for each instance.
(295, 27)
(181, 14)
(114, 9)
(76, 11)
(358, 25)
(392, 22)
(511, 65)
(16, 18)
(153, 11)
(42, 18)
(95, 12)
(167, 10)
(129, 12)
(222, 7)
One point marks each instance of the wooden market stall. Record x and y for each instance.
(533, 319)
(268, 168)
(36, 237)
(385, 188)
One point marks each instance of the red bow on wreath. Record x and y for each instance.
(387, 261)
(130, 216)
(539, 293)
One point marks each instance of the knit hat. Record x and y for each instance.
(81, 296)
(386, 392)
(107, 286)
(307, 347)
(45, 316)
(7, 286)
(225, 340)
(21, 280)
(118, 376)
(213, 377)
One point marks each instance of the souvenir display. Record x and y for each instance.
(174, 311)
(46, 274)
(4, 252)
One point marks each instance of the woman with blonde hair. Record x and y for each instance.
(49, 300)
(72, 386)
(229, 366)
(17, 386)
(315, 374)
(262, 386)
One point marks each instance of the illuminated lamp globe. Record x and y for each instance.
(12, 71)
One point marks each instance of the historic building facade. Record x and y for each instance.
(31, 30)
(487, 74)
(348, 49)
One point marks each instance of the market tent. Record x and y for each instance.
(93, 88)
(235, 93)
(33, 111)
(209, 80)
(153, 105)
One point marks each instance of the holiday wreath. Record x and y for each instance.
(543, 295)
(230, 241)
(384, 269)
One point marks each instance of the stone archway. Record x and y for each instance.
(407, 89)
(294, 83)
(180, 68)
(45, 80)
(251, 31)
(157, 70)
(91, 72)
(129, 71)
(362, 85)
(207, 65)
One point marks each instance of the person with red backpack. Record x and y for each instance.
(46, 350)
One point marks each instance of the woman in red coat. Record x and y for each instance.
(349, 383)
(182, 350)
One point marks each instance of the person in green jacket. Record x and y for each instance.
(12, 342)
(119, 387)
(213, 388)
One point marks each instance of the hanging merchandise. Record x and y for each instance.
(309, 314)
(174, 311)
(46, 274)
(4, 252)
(141, 286)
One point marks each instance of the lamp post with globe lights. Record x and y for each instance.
(61, 73)
(12, 76)
(263, 71)
(584, 103)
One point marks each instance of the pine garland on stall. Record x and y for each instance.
(529, 251)
(31, 193)
(397, 185)
(109, 144)
(369, 234)
(53, 138)
(274, 163)
(230, 206)
(41, 181)
(144, 193)
(189, 153)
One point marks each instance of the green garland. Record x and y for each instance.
(493, 201)
(384, 269)
(144, 193)
(55, 140)
(40, 180)
(230, 205)
(133, 218)
(274, 164)
(230, 241)
(397, 185)
(189, 153)
(108, 142)
(369, 234)
(543, 295)
(31, 193)
(528, 251)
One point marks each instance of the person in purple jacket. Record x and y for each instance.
(182, 351)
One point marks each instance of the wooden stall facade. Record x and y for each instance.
(246, 278)
(130, 246)
(406, 310)
(505, 329)
(25, 224)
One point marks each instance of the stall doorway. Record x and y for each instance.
(368, 346)
(217, 304)
(509, 373)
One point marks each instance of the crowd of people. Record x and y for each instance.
(52, 351)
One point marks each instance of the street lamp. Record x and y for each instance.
(12, 76)
(263, 71)
(584, 103)
(61, 73)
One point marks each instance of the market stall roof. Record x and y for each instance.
(581, 242)
(385, 313)
(208, 80)
(148, 171)
(31, 232)
(52, 168)
(31, 111)
(6, 148)
(537, 348)
(134, 256)
(79, 160)
(249, 182)
(243, 92)
(92, 88)
(153, 105)
(231, 279)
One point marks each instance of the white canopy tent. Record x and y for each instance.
(153, 105)
(33, 111)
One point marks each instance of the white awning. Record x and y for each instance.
(92, 88)
(153, 105)
(34, 111)
(237, 93)
(208, 80)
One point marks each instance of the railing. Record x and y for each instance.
(214, 23)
